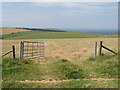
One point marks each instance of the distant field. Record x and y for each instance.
(54, 35)
(11, 30)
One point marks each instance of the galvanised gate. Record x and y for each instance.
(31, 50)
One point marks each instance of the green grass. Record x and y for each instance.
(58, 70)
(52, 35)
(15, 70)
(105, 66)
(68, 70)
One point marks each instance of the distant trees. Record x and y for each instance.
(39, 29)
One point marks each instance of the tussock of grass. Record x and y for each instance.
(10, 62)
(69, 70)
(101, 58)
(15, 69)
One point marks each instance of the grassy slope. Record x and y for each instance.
(52, 35)
(15, 71)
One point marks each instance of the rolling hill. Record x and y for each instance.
(54, 35)
(32, 33)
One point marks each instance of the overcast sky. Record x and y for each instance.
(86, 15)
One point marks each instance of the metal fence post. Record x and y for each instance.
(95, 49)
(21, 49)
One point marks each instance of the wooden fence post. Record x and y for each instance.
(13, 48)
(100, 50)
(95, 49)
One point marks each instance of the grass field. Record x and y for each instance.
(54, 35)
(68, 61)
(62, 58)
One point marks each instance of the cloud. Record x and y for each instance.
(81, 7)
(84, 5)
(53, 4)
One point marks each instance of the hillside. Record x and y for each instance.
(54, 35)
(15, 30)
(11, 30)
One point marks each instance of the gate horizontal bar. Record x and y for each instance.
(34, 57)
(32, 49)
(34, 52)
(33, 46)
(32, 42)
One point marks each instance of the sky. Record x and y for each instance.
(72, 15)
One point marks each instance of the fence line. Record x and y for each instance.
(100, 49)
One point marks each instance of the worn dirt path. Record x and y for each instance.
(58, 81)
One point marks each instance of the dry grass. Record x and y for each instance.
(10, 30)
(70, 49)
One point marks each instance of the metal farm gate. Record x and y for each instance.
(31, 50)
